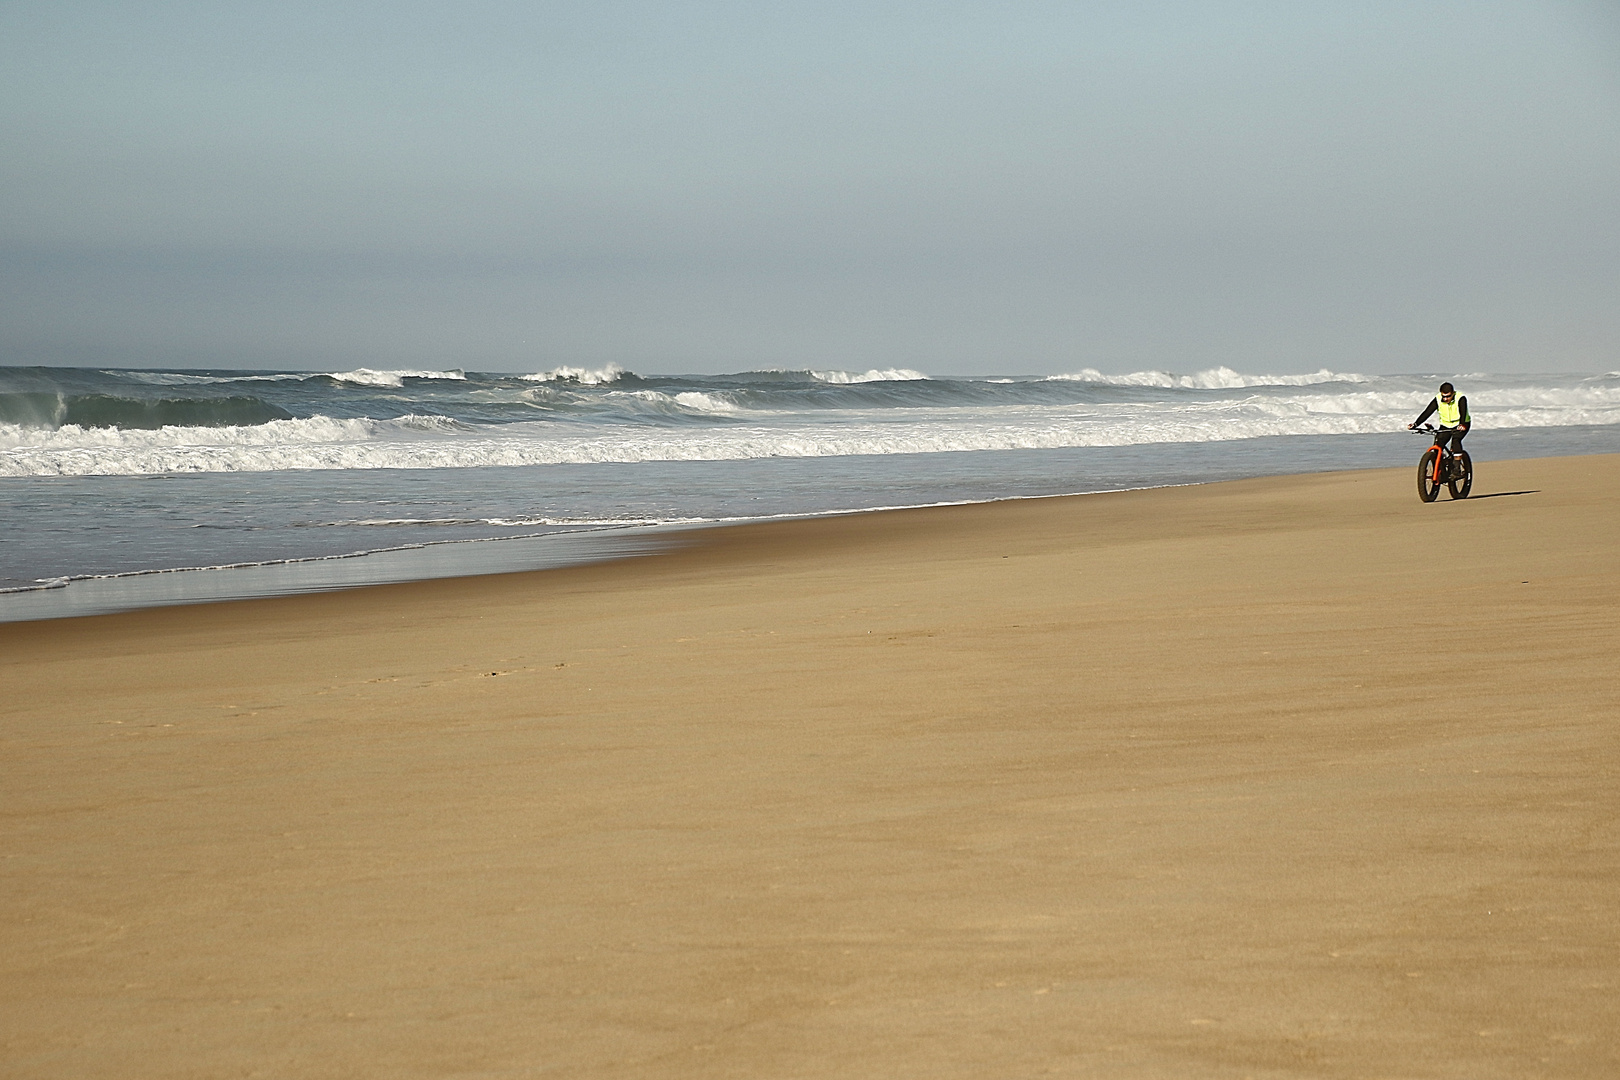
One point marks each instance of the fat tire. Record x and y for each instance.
(1428, 490)
(1464, 483)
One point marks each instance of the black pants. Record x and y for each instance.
(1451, 435)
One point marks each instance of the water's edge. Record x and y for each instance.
(96, 595)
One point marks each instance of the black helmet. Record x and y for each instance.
(1447, 388)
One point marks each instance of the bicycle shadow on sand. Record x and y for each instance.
(1500, 495)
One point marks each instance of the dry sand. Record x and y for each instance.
(1287, 777)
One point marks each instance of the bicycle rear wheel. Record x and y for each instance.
(1427, 488)
(1462, 477)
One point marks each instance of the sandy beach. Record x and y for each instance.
(1272, 778)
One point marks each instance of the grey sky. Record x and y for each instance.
(956, 187)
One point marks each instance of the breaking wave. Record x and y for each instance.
(282, 439)
(1221, 378)
(67, 422)
(844, 378)
(582, 376)
(368, 377)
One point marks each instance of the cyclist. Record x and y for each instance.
(1453, 418)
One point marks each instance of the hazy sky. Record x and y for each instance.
(703, 186)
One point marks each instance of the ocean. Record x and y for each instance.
(134, 488)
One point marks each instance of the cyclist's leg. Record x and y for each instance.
(1442, 447)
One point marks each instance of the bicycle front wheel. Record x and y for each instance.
(1462, 476)
(1427, 488)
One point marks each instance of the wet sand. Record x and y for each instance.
(1282, 777)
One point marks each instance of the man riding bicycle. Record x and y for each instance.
(1453, 417)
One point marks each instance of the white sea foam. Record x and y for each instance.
(583, 376)
(874, 375)
(699, 401)
(274, 433)
(705, 444)
(38, 585)
(1221, 378)
(168, 378)
(175, 378)
(708, 425)
(515, 523)
(71, 437)
(687, 401)
(368, 377)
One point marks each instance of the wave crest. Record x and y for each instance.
(582, 376)
(844, 378)
(17, 441)
(1220, 378)
(52, 411)
(368, 377)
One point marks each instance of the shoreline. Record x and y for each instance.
(602, 545)
(1171, 782)
(57, 539)
(75, 595)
